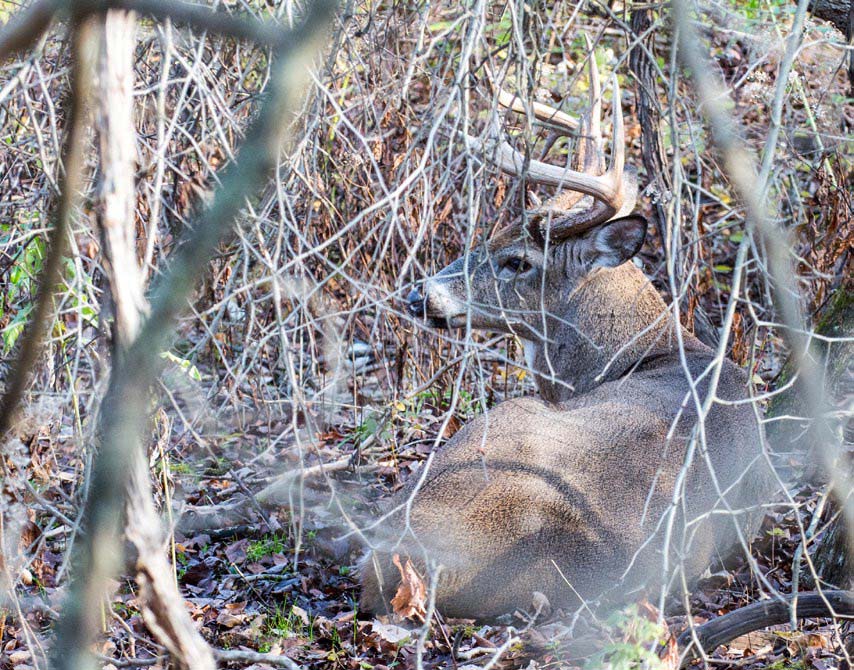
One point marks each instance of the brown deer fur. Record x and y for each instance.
(609, 481)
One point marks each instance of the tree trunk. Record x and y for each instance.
(832, 556)
(838, 12)
(841, 14)
(652, 149)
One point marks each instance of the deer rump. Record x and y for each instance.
(575, 500)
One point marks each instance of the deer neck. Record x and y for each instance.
(605, 327)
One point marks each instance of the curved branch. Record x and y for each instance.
(761, 615)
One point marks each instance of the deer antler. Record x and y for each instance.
(611, 192)
(544, 113)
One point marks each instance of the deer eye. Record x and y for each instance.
(517, 265)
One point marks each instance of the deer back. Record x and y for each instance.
(575, 500)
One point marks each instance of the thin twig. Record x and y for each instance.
(71, 183)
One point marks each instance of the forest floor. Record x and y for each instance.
(252, 586)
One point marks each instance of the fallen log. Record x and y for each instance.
(709, 636)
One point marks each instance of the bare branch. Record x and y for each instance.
(25, 27)
(161, 603)
(51, 274)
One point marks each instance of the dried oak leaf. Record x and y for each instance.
(411, 597)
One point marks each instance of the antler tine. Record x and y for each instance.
(544, 113)
(622, 181)
(594, 130)
(595, 90)
(512, 162)
(589, 157)
(618, 152)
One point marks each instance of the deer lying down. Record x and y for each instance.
(583, 492)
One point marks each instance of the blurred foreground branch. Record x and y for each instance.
(752, 186)
(25, 27)
(70, 182)
(124, 412)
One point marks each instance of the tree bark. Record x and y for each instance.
(652, 148)
(841, 14)
(833, 557)
(837, 12)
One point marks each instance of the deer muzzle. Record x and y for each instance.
(416, 305)
(436, 306)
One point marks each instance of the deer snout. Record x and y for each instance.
(436, 304)
(416, 304)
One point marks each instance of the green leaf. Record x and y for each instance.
(13, 330)
(191, 370)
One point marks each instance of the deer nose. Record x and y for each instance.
(416, 304)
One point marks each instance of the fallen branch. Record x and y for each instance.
(240, 656)
(760, 615)
(276, 495)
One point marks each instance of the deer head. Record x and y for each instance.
(559, 277)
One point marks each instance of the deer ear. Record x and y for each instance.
(616, 241)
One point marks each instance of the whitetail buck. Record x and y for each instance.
(610, 480)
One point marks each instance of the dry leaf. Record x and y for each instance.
(411, 596)
(390, 632)
(757, 643)
(670, 656)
